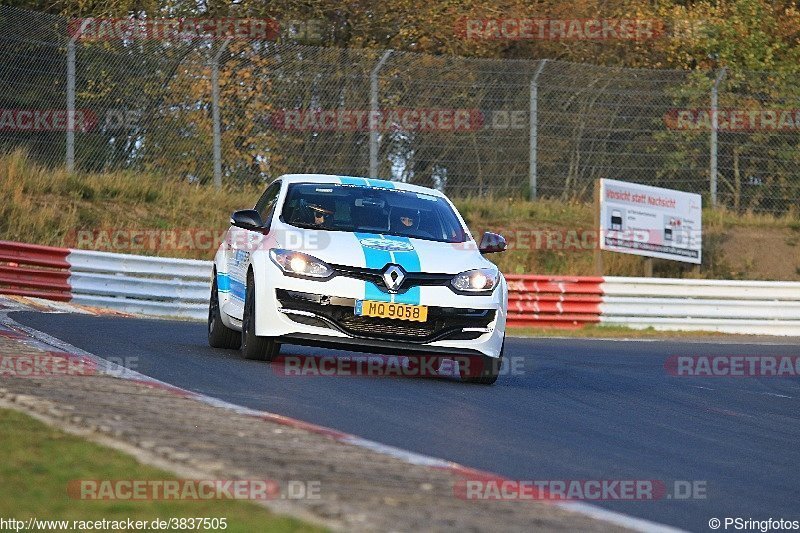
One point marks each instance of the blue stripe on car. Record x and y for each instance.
(374, 258)
(223, 283)
(237, 289)
(380, 184)
(349, 180)
(378, 259)
(410, 262)
(226, 284)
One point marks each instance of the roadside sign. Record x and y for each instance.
(650, 221)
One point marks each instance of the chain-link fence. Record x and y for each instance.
(237, 110)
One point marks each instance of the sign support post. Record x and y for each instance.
(598, 253)
(648, 267)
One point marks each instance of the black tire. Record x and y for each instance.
(483, 370)
(254, 347)
(220, 335)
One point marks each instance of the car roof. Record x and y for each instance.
(356, 180)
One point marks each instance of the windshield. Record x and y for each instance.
(371, 210)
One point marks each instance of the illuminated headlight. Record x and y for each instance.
(482, 280)
(300, 264)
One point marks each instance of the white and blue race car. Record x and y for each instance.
(364, 264)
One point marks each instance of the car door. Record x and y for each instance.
(241, 243)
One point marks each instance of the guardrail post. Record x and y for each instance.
(534, 134)
(215, 114)
(373, 107)
(712, 174)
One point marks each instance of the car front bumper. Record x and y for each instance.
(302, 311)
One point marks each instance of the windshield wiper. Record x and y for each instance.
(306, 226)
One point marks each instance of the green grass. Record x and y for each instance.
(38, 462)
(607, 331)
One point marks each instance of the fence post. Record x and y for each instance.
(714, 127)
(71, 105)
(71, 95)
(215, 114)
(373, 107)
(534, 133)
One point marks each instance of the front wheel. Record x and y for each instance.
(482, 370)
(254, 347)
(219, 335)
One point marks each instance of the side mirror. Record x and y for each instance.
(247, 219)
(491, 243)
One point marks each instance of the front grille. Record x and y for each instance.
(380, 327)
(309, 321)
(413, 279)
(442, 323)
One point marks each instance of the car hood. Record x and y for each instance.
(373, 250)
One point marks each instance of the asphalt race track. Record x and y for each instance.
(581, 409)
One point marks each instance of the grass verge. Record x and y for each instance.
(49, 206)
(39, 461)
(610, 332)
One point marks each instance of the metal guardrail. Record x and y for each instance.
(90, 261)
(159, 286)
(180, 287)
(753, 307)
(702, 288)
(548, 301)
(38, 271)
(156, 286)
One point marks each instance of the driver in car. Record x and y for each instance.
(321, 214)
(312, 214)
(405, 220)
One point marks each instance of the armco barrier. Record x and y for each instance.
(30, 270)
(180, 287)
(156, 286)
(753, 307)
(557, 302)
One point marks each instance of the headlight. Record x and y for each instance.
(479, 281)
(300, 264)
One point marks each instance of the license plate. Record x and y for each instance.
(416, 313)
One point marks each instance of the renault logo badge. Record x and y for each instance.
(393, 277)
